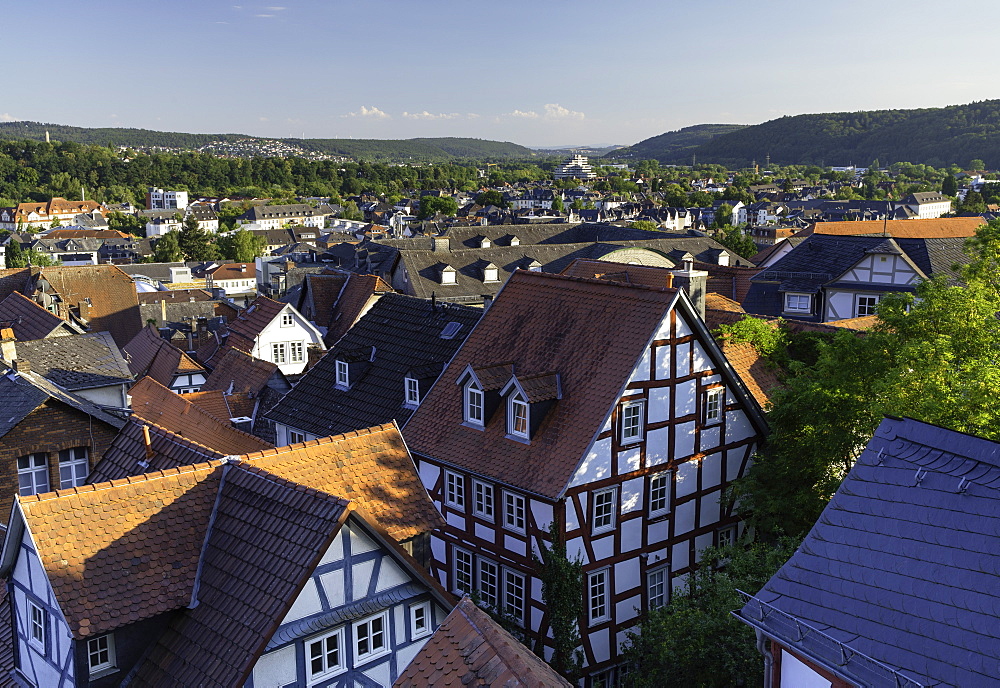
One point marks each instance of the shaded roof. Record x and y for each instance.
(129, 451)
(350, 304)
(646, 276)
(30, 320)
(939, 228)
(254, 318)
(760, 378)
(114, 306)
(239, 372)
(155, 403)
(406, 333)
(371, 466)
(149, 354)
(865, 322)
(901, 566)
(543, 324)
(76, 362)
(22, 393)
(471, 649)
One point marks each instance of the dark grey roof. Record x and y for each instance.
(22, 393)
(406, 334)
(902, 565)
(78, 361)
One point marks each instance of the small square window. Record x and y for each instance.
(101, 653)
(295, 437)
(798, 303)
(659, 494)
(605, 503)
(482, 500)
(597, 587)
(454, 490)
(370, 639)
(657, 588)
(287, 319)
(866, 305)
(343, 377)
(727, 536)
(420, 620)
(513, 511)
(325, 656)
(632, 418)
(713, 405)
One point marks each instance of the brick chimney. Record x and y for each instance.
(21, 365)
(8, 345)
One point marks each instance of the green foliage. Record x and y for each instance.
(562, 592)
(673, 145)
(694, 642)
(557, 204)
(196, 243)
(14, 255)
(167, 249)
(492, 197)
(770, 340)
(735, 239)
(351, 212)
(931, 356)
(949, 186)
(723, 216)
(130, 224)
(645, 224)
(429, 205)
(973, 203)
(242, 246)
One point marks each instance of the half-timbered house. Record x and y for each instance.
(604, 407)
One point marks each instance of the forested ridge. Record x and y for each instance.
(673, 145)
(932, 136)
(404, 150)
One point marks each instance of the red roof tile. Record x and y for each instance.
(354, 299)
(238, 371)
(251, 321)
(940, 228)
(150, 354)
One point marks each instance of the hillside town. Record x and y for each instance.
(485, 437)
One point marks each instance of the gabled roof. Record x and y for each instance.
(76, 362)
(937, 228)
(150, 354)
(254, 318)
(239, 372)
(471, 649)
(350, 305)
(22, 393)
(129, 451)
(29, 320)
(114, 306)
(900, 567)
(406, 333)
(153, 402)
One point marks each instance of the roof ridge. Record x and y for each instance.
(319, 441)
(118, 482)
(180, 439)
(591, 280)
(253, 469)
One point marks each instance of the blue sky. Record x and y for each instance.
(539, 72)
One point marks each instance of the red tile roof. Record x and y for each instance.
(131, 454)
(544, 324)
(351, 304)
(30, 320)
(114, 306)
(153, 402)
(759, 377)
(150, 354)
(471, 649)
(233, 271)
(238, 371)
(939, 228)
(252, 321)
(212, 401)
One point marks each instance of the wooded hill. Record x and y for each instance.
(932, 136)
(674, 147)
(404, 150)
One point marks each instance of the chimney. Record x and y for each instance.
(441, 244)
(163, 312)
(22, 366)
(83, 308)
(8, 345)
(694, 282)
(243, 268)
(146, 440)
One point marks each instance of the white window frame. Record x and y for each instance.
(632, 420)
(655, 487)
(727, 535)
(658, 587)
(328, 670)
(33, 472)
(296, 352)
(279, 353)
(488, 570)
(598, 600)
(108, 649)
(483, 502)
(411, 392)
(420, 611)
(296, 437)
(460, 557)
(474, 412)
(515, 512)
(491, 275)
(518, 416)
(798, 308)
(70, 464)
(343, 373)
(454, 490)
(513, 601)
(38, 634)
(604, 521)
(287, 319)
(449, 276)
(871, 308)
(715, 411)
(372, 652)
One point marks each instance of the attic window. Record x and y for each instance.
(411, 388)
(514, 241)
(491, 273)
(343, 378)
(473, 404)
(448, 275)
(485, 243)
(517, 416)
(450, 330)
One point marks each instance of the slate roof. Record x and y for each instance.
(150, 354)
(22, 393)
(77, 362)
(406, 333)
(902, 564)
(29, 320)
(164, 450)
(153, 402)
(545, 323)
(471, 649)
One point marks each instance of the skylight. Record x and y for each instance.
(450, 330)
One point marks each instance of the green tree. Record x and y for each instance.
(645, 224)
(492, 197)
(351, 212)
(723, 216)
(949, 186)
(167, 249)
(738, 241)
(930, 356)
(557, 204)
(562, 593)
(429, 205)
(973, 203)
(196, 243)
(242, 246)
(694, 641)
(14, 255)
(130, 224)
(977, 164)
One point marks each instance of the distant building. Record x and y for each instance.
(928, 204)
(35, 216)
(576, 167)
(158, 199)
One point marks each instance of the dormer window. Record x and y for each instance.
(412, 391)
(343, 376)
(517, 416)
(448, 275)
(535, 266)
(473, 405)
(485, 243)
(491, 273)
(514, 241)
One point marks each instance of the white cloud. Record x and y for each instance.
(556, 111)
(263, 16)
(429, 115)
(6, 117)
(275, 9)
(472, 115)
(530, 114)
(264, 119)
(371, 113)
